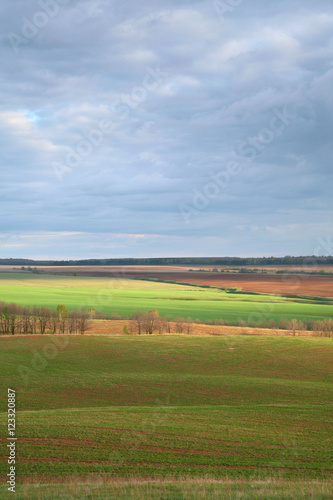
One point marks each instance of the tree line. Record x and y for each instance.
(307, 261)
(151, 322)
(15, 319)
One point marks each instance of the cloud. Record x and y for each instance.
(115, 115)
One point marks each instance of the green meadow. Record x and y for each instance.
(124, 296)
(167, 417)
(161, 407)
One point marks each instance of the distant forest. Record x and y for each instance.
(185, 261)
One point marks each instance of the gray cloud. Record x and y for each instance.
(117, 115)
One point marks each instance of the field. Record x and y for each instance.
(227, 412)
(313, 285)
(225, 408)
(124, 296)
(116, 327)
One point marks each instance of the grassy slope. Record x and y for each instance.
(180, 490)
(172, 406)
(125, 296)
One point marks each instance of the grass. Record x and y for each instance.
(167, 408)
(180, 490)
(167, 417)
(137, 370)
(124, 296)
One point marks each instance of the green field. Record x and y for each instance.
(170, 407)
(205, 417)
(124, 296)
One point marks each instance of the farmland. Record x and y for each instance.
(242, 414)
(123, 296)
(271, 283)
(161, 407)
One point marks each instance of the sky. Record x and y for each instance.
(170, 128)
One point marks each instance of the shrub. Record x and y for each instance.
(126, 330)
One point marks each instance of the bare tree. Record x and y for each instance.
(4, 318)
(162, 325)
(283, 324)
(73, 322)
(180, 325)
(150, 321)
(327, 327)
(26, 320)
(168, 326)
(44, 315)
(34, 320)
(137, 322)
(301, 326)
(293, 326)
(317, 327)
(189, 326)
(82, 321)
(54, 321)
(12, 318)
